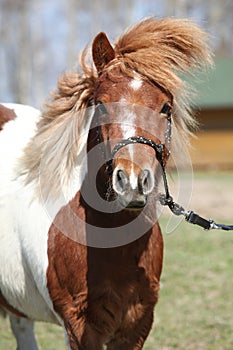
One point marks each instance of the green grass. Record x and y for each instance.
(195, 309)
(49, 337)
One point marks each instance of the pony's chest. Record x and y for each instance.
(120, 301)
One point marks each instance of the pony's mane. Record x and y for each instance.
(158, 50)
(162, 51)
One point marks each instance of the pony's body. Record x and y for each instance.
(80, 241)
(24, 264)
(23, 282)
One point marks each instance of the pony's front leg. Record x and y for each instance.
(120, 345)
(67, 340)
(136, 344)
(82, 336)
(134, 338)
(23, 331)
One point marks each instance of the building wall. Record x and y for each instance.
(213, 146)
(220, 119)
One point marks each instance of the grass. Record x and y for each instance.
(195, 310)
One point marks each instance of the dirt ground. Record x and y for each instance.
(210, 194)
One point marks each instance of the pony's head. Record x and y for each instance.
(136, 87)
(136, 96)
(132, 114)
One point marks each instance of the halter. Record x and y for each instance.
(158, 148)
(165, 199)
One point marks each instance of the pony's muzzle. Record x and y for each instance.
(133, 188)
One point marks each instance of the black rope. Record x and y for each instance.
(223, 227)
(190, 216)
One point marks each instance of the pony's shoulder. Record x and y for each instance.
(19, 128)
(6, 115)
(13, 110)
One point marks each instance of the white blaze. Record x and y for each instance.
(133, 179)
(136, 83)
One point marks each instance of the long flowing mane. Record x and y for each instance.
(162, 51)
(158, 50)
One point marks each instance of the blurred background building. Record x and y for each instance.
(41, 39)
(213, 147)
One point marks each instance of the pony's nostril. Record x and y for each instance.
(146, 181)
(120, 181)
(119, 175)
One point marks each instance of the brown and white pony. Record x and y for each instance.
(80, 241)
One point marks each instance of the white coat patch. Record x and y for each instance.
(135, 84)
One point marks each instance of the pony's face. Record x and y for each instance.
(126, 108)
(129, 107)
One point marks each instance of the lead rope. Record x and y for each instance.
(190, 216)
(165, 199)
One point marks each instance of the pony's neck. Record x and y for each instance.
(97, 178)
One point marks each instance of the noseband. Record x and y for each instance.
(158, 148)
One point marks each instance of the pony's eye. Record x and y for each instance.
(166, 109)
(101, 108)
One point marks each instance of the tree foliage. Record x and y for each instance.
(40, 39)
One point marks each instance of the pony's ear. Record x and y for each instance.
(102, 51)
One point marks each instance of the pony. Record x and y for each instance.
(81, 244)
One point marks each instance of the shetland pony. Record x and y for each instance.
(80, 240)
